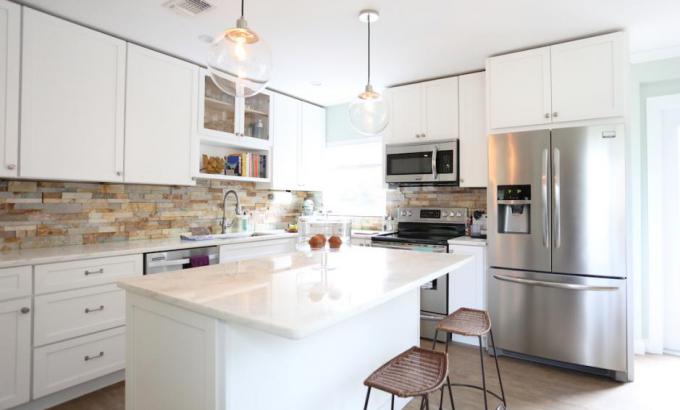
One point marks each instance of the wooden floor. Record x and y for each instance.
(528, 386)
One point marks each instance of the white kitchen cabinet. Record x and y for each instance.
(467, 285)
(15, 352)
(299, 138)
(406, 114)
(587, 78)
(15, 282)
(10, 44)
(160, 118)
(72, 103)
(518, 89)
(473, 136)
(250, 250)
(424, 111)
(312, 147)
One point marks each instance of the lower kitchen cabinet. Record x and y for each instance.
(15, 352)
(467, 286)
(250, 250)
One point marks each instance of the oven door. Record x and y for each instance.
(412, 163)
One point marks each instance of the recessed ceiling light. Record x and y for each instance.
(206, 38)
(316, 83)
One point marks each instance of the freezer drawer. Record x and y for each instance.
(572, 319)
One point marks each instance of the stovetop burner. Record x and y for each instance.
(428, 233)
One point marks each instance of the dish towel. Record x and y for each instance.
(199, 260)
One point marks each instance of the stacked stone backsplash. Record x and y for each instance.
(35, 214)
(436, 196)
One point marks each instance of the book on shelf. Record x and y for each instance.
(246, 164)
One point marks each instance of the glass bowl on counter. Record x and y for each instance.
(320, 234)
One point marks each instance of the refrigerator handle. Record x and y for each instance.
(557, 236)
(544, 198)
(557, 285)
(434, 162)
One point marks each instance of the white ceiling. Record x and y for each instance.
(322, 40)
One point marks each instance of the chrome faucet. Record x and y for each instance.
(226, 225)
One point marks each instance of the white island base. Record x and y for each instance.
(179, 360)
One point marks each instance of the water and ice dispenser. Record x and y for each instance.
(514, 209)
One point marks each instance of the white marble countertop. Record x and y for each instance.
(74, 252)
(289, 295)
(467, 241)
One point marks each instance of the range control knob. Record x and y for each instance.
(459, 214)
(409, 213)
(403, 213)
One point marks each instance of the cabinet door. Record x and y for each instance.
(312, 147)
(286, 134)
(72, 104)
(406, 107)
(441, 108)
(10, 42)
(217, 110)
(473, 136)
(15, 352)
(467, 286)
(587, 80)
(256, 117)
(160, 118)
(518, 89)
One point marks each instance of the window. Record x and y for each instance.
(355, 178)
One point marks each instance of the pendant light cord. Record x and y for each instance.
(368, 18)
(242, 7)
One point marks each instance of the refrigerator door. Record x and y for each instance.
(588, 201)
(518, 231)
(572, 319)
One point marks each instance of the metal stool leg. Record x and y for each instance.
(481, 360)
(422, 403)
(392, 405)
(498, 370)
(368, 394)
(448, 384)
(427, 402)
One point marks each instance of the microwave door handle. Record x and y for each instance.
(434, 163)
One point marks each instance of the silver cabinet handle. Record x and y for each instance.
(557, 225)
(570, 286)
(97, 356)
(555, 114)
(94, 272)
(434, 162)
(547, 115)
(100, 308)
(11, 166)
(544, 197)
(25, 310)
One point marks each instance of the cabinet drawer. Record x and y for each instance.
(56, 277)
(62, 365)
(15, 282)
(250, 250)
(64, 315)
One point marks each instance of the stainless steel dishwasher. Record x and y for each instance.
(158, 262)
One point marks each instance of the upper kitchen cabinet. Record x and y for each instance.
(233, 121)
(299, 135)
(575, 81)
(519, 89)
(72, 104)
(160, 120)
(473, 136)
(10, 42)
(424, 111)
(587, 78)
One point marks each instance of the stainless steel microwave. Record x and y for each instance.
(414, 164)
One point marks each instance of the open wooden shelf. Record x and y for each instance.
(231, 178)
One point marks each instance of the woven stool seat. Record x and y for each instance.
(466, 322)
(414, 372)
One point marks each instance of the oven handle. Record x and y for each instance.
(431, 316)
(434, 162)
(569, 286)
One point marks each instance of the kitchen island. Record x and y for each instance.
(276, 332)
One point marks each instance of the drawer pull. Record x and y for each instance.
(100, 308)
(94, 272)
(25, 310)
(88, 358)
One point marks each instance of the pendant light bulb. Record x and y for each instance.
(240, 61)
(368, 112)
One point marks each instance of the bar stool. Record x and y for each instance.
(415, 372)
(470, 322)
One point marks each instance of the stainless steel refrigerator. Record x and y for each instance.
(557, 286)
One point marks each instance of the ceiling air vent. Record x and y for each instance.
(188, 7)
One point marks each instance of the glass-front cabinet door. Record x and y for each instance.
(234, 120)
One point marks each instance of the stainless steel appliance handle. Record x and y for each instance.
(570, 286)
(557, 235)
(430, 316)
(544, 197)
(434, 162)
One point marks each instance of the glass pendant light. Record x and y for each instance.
(240, 62)
(368, 113)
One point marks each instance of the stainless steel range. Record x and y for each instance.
(427, 230)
